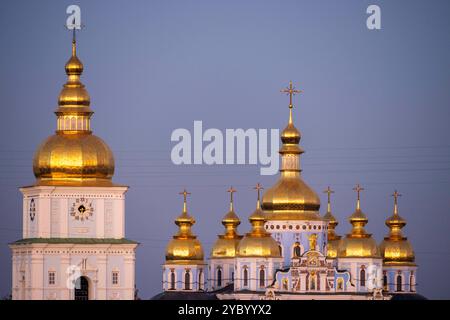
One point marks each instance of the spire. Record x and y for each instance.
(258, 218)
(332, 222)
(395, 223)
(290, 137)
(74, 112)
(231, 221)
(184, 221)
(358, 219)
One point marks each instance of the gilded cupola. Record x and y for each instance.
(333, 238)
(184, 248)
(226, 244)
(358, 243)
(258, 242)
(395, 248)
(73, 155)
(291, 198)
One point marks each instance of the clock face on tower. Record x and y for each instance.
(82, 209)
(32, 209)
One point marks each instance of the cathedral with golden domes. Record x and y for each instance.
(291, 252)
(73, 245)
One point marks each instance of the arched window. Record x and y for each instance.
(245, 277)
(187, 281)
(399, 282)
(362, 277)
(219, 277)
(200, 279)
(297, 250)
(385, 281)
(262, 278)
(172, 280)
(232, 276)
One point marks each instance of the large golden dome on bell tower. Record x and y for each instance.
(73, 155)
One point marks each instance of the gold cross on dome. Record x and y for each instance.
(328, 191)
(231, 191)
(185, 194)
(396, 195)
(358, 190)
(291, 92)
(258, 187)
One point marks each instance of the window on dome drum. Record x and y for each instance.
(262, 278)
(232, 276)
(115, 277)
(200, 279)
(172, 280)
(385, 282)
(245, 277)
(187, 281)
(51, 277)
(219, 277)
(362, 276)
(399, 283)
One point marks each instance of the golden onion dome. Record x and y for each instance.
(395, 248)
(226, 244)
(73, 155)
(184, 248)
(358, 243)
(333, 239)
(72, 159)
(291, 198)
(258, 242)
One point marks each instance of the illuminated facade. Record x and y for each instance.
(292, 252)
(73, 244)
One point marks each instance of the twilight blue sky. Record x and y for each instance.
(375, 109)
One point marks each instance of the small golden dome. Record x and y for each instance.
(291, 198)
(184, 248)
(358, 243)
(395, 248)
(258, 242)
(73, 156)
(226, 244)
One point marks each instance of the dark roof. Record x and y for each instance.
(184, 295)
(74, 241)
(408, 296)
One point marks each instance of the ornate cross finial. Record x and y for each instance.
(396, 195)
(328, 191)
(185, 194)
(358, 190)
(258, 188)
(231, 191)
(291, 92)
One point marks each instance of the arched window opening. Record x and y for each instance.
(399, 282)
(219, 277)
(262, 278)
(245, 277)
(172, 280)
(362, 277)
(187, 281)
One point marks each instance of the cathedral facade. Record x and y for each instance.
(291, 251)
(73, 245)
